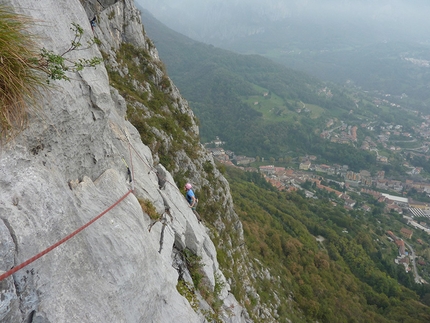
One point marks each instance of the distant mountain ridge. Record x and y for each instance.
(363, 42)
(228, 21)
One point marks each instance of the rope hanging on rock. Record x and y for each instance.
(130, 174)
(55, 245)
(71, 235)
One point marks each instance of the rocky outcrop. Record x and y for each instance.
(71, 164)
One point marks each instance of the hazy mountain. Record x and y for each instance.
(380, 46)
(222, 23)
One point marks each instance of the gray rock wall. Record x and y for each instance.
(66, 168)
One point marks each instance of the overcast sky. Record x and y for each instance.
(198, 18)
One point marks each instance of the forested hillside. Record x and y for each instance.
(221, 87)
(325, 262)
(396, 68)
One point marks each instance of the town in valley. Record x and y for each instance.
(405, 199)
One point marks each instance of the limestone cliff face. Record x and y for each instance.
(69, 166)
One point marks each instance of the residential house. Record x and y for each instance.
(280, 171)
(244, 160)
(396, 185)
(393, 207)
(382, 183)
(407, 233)
(382, 159)
(366, 181)
(216, 151)
(353, 176)
(305, 165)
(324, 168)
(418, 205)
(404, 260)
(401, 244)
(276, 183)
(419, 186)
(348, 201)
(217, 142)
(375, 194)
(268, 169)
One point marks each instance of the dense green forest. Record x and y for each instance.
(347, 276)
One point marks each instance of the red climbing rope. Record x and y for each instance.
(44, 252)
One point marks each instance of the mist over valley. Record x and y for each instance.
(383, 46)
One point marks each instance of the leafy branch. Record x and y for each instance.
(56, 66)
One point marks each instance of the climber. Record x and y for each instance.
(93, 23)
(192, 200)
(129, 176)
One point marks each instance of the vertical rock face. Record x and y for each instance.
(69, 166)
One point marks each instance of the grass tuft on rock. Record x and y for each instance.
(20, 80)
